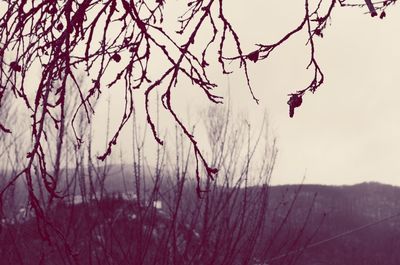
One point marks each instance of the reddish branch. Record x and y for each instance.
(68, 36)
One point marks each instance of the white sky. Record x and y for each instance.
(348, 131)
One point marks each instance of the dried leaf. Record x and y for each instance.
(15, 66)
(294, 102)
(116, 57)
(253, 56)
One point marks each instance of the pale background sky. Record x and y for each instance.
(347, 132)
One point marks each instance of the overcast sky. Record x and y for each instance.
(348, 131)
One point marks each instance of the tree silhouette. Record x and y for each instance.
(62, 38)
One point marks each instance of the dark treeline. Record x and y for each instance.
(147, 211)
(117, 228)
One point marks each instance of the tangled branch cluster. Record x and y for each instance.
(65, 36)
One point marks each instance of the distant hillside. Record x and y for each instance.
(317, 213)
(335, 225)
(347, 222)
